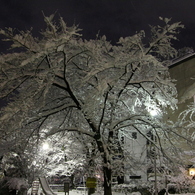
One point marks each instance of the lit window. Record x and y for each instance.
(192, 171)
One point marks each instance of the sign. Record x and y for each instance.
(91, 182)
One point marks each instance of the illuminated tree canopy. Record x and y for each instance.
(60, 82)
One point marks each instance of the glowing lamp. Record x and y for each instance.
(153, 112)
(45, 146)
(192, 171)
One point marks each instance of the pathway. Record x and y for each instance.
(76, 192)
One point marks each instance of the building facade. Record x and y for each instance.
(182, 71)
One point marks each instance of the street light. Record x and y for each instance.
(45, 146)
(153, 112)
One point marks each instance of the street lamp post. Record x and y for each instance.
(155, 173)
(154, 112)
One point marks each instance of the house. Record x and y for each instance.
(182, 70)
(137, 151)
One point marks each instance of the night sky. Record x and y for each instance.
(114, 18)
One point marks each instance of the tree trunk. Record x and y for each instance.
(107, 172)
(107, 181)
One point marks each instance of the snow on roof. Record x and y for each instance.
(180, 59)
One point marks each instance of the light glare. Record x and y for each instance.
(45, 146)
(153, 112)
(192, 171)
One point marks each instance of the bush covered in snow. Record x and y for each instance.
(13, 178)
(12, 185)
(144, 188)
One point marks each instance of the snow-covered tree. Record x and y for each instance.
(62, 83)
(62, 157)
(14, 171)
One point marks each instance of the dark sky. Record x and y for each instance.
(114, 18)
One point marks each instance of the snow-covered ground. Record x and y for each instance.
(76, 192)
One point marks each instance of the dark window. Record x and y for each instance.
(150, 137)
(134, 135)
(122, 139)
(135, 177)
